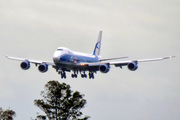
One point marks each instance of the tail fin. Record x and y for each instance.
(98, 45)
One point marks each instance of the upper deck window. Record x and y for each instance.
(59, 49)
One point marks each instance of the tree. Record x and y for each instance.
(60, 102)
(7, 114)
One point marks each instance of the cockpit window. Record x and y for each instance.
(59, 49)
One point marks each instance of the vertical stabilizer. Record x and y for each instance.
(98, 45)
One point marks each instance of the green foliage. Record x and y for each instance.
(60, 102)
(7, 114)
(41, 117)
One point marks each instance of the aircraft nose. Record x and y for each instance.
(56, 57)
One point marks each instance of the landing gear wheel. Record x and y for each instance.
(83, 75)
(74, 75)
(91, 75)
(63, 75)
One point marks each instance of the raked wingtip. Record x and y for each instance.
(169, 57)
(173, 56)
(5, 56)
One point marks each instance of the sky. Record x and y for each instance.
(140, 29)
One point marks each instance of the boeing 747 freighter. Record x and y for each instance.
(65, 60)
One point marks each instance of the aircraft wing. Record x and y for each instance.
(31, 61)
(119, 64)
(112, 58)
(123, 63)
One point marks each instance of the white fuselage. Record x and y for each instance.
(63, 57)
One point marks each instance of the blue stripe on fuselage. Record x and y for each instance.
(78, 58)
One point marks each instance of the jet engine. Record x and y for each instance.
(43, 67)
(132, 66)
(25, 65)
(104, 68)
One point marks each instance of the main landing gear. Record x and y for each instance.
(83, 75)
(75, 74)
(63, 74)
(91, 75)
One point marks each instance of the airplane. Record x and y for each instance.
(66, 60)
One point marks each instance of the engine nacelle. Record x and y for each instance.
(43, 68)
(104, 68)
(132, 66)
(25, 65)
